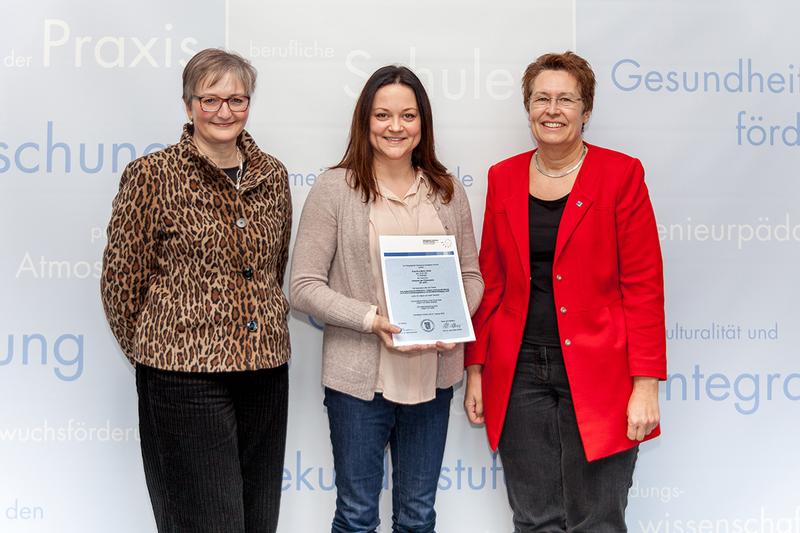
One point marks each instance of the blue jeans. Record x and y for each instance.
(551, 486)
(360, 431)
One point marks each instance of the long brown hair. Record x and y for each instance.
(358, 157)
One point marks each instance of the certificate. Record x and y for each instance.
(423, 288)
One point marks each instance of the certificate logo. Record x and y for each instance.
(427, 325)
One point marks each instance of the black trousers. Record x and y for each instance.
(213, 447)
(551, 486)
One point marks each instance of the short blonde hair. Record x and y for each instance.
(210, 65)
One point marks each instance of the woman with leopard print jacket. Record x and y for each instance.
(191, 285)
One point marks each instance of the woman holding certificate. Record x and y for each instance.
(389, 182)
(570, 333)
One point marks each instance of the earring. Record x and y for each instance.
(191, 121)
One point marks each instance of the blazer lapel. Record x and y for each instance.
(578, 204)
(516, 205)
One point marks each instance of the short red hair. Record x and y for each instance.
(569, 62)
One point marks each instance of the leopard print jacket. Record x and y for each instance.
(193, 268)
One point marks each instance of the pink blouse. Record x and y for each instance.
(402, 378)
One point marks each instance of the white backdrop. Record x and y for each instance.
(704, 93)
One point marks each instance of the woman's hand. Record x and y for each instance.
(384, 330)
(473, 395)
(643, 413)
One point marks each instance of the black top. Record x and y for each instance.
(544, 216)
(231, 172)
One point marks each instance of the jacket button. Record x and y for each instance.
(241, 223)
(247, 272)
(252, 325)
(558, 277)
(567, 342)
(563, 310)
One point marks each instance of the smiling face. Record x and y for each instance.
(218, 130)
(394, 126)
(556, 125)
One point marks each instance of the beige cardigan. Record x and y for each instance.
(332, 281)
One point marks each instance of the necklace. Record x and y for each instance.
(566, 172)
(240, 170)
(388, 183)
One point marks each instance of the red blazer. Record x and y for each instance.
(608, 288)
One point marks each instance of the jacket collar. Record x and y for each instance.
(578, 203)
(259, 167)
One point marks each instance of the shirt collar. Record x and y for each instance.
(420, 181)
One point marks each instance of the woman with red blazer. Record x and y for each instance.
(570, 333)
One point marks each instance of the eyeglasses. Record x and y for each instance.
(212, 104)
(564, 102)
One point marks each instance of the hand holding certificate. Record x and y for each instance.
(424, 290)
